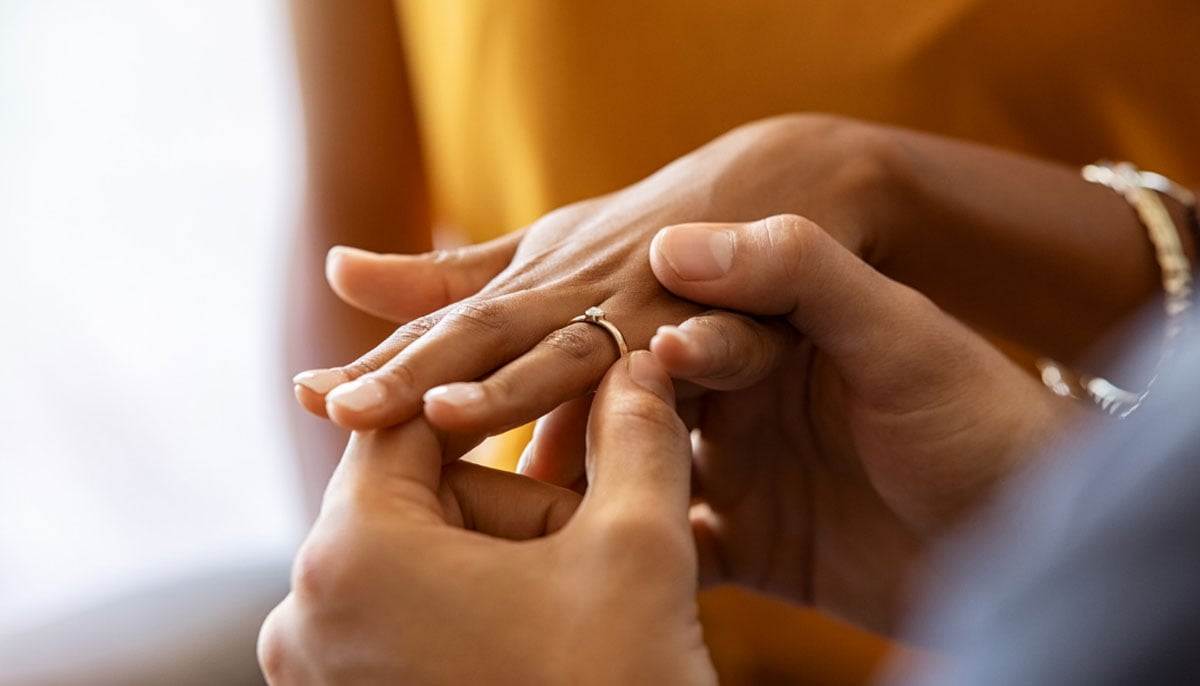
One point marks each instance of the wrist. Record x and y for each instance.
(1016, 246)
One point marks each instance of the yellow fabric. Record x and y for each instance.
(526, 105)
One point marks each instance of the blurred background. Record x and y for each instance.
(149, 177)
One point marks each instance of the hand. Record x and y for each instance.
(415, 573)
(986, 234)
(858, 421)
(500, 310)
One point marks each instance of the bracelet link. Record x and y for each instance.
(1141, 190)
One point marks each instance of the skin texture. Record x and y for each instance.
(820, 473)
(950, 219)
(591, 253)
(838, 437)
(409, 561)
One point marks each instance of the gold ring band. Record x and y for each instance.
(595, 315)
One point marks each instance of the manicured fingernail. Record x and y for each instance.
(646, 372)
(358, 396)
(456, 394)
(697, 253)
(320, 380)
(337, 253)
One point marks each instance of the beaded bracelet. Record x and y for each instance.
(1140, 189)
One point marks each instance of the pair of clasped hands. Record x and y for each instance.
(839, 421)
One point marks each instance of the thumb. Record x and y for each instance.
(786, 265)
(639, 454)
(401, 288)
(396, 471)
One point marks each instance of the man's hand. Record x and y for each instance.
(852, 422)
(419, 573)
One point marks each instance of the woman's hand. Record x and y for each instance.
(1016, 246)
(857, 420)
(415, 573)
(500, 311)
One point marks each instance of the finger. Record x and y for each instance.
(309, 388)
(486, 332)
(556, 452)
(788, 266)
(400, 288)
(567, 363)
(397, 470)
(639, 455)
(722, 350)
(502, 504)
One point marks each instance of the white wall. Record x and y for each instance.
(148, 175)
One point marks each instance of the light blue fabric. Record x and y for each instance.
(1088, 570)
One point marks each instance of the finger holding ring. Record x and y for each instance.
(595, 315)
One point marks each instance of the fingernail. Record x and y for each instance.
(646, 372)
(340, 251)
(697, 253)
(456, 394)
(683, 339)
(676, 332)
(320, 380)
(332, 258)
(358, 396)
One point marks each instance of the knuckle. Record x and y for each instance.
(791, 232)
(324, 573)
(479, 316)
(752, 346)
(650, 415)
(399, 373)
(736, 343)
(788, 239)
(395, 343)
(360, 368)
(396, 372)
(578, 343)
(413, 330)
(765, 348)
(272, 649)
